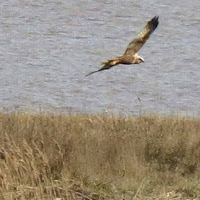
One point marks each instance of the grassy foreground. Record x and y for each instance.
(98, 157)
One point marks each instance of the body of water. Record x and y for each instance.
(47, 47)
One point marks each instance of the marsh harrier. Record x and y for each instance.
(130, 56)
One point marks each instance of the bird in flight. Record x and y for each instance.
(130, 56)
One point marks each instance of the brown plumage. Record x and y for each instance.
(130, 56)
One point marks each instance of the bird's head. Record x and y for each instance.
(139, 59)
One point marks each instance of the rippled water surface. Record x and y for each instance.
(48, 46)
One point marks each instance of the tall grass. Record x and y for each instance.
(98, 157)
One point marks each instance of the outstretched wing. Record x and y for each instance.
(135, 45)
(106, 65)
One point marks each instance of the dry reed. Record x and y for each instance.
(98, 157)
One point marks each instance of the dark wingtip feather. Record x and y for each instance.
(154, 21)
(91, 73)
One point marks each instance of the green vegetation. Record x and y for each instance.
(98, 157)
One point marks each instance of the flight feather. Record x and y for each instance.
(135, 45)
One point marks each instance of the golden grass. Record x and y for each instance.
(98, 157)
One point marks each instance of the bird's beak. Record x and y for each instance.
(142, 60)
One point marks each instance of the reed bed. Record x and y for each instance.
(91, 157)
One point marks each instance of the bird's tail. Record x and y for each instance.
(106, 65)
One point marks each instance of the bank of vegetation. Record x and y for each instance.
(92, 157)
